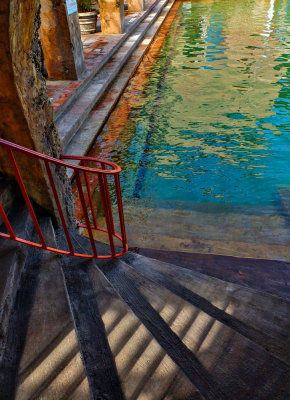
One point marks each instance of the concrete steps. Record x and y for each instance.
(138, 328)
(249, 306)
(70, 121)
(207, 336)
(62, 372)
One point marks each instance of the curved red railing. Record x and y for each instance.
(90, 181)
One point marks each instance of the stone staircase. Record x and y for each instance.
(141, 328)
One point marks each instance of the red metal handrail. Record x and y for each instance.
(85, 177)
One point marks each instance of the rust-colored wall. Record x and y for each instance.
(61, 41)
(26, 115)
(112, 16)
(136, 5)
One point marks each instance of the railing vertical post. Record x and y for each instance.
(120, 208)
(106, 211)
(108, 199)
(54, 191)
(84, 207)
(25, 195)
(90, 196)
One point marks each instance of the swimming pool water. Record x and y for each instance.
(211, 123)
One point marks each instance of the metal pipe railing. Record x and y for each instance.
(81, 173)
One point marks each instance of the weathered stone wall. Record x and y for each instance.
(112, 16)
(26, 115)
(61, 41)
(136, 5)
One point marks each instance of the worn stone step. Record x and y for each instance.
(137, 355)
(154, 369)
(111, 318)
(143, 367)
(207, 338)
(73, 118)
(130, 343)
(49, 377)
(217, 347)
(43, 329)
(126, 356)
(19, 320)
(120, 344)
(173, 346)
(248, 310)
(267, 276)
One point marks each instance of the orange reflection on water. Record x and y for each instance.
(115, 124)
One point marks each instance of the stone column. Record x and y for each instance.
(61, 40)
(112, 16)
(26, 116)
(136, 5)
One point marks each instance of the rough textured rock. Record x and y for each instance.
(136, 5)
(26, 113)
(61, 41)
(112, 16)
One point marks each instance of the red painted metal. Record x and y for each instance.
(58, 204)
(25, 196)
(90, 196)
(99, 177)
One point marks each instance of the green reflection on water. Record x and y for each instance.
(213, 119)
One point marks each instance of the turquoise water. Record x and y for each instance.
(211, 123)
